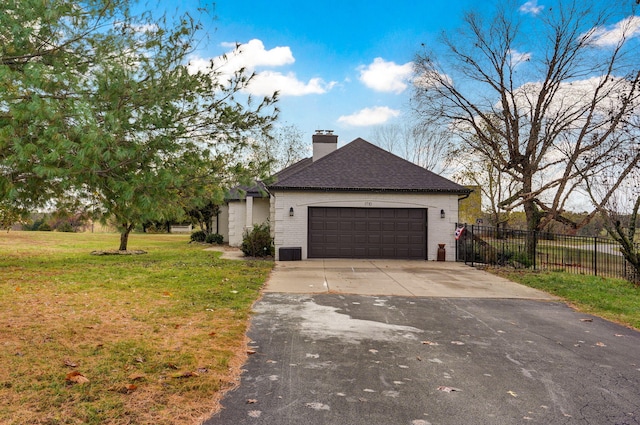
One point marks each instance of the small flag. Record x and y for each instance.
(459, 232)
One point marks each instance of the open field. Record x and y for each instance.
(119, 339)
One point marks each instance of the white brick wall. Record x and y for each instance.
(292, 231)
(258, 213)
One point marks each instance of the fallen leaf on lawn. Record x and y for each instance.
(136, 376)
(511, 393)
(17, 288)
(252, 401)
(586, 320)
(139, 359)
(130, 388)
(212, 334)
(172, 366)
(185, 375)
(69, 363)
(77, 378)
(429, 343)
(448, 389)
(166, 294)
(601, 344)
(202, 370)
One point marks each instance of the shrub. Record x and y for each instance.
(214, 238)
(65, 227)
(258, 242)
(44, 227)
(198, 236)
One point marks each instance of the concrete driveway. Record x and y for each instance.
(394, 277)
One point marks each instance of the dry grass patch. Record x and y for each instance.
(150, 339)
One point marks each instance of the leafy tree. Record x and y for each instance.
(43, 57)
(552, 119)
(131, 125)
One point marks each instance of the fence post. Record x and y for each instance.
(535, 248)
(595, 256)
(473, 247)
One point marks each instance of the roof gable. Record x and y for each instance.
(362, 166)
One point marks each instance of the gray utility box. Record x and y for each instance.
(290, 253)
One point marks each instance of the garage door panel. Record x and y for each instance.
(360, 226)
(360, 239)
(374, 226)
(388, 226)
(336, 232)
(345, 226)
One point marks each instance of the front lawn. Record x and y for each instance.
(119, 339)
(614, 299)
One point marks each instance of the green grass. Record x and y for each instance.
(157, 335)
(614, 299)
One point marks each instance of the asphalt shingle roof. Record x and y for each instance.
(362, 166)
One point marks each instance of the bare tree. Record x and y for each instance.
(424, 144)
(281, 148)
(621, 214)
(546, 98)
(492, 184)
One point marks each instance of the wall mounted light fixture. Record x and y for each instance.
(291, 212)
(441, 213)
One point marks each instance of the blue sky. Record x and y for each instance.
(343, 65)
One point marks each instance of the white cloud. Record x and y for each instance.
(432, 79)
(253, 55)
(386, 76)
(518, 57)
(266, 82)
(612, 35)
(531, 7)
(369, 116)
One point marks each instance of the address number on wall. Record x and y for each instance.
(368, 203)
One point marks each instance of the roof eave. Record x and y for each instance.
(361, 189)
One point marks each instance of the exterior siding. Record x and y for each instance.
(223, 222)
(237, 218)
(292, 231)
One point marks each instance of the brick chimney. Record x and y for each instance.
(324, 142)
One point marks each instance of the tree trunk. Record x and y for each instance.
(209, 225)
(533, 221)
(124, 236)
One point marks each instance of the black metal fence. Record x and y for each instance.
(500, 247)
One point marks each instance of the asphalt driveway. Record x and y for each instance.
(341, 358)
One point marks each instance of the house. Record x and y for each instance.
(358, 201)
(244, 207)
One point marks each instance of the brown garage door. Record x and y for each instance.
(367, 233)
